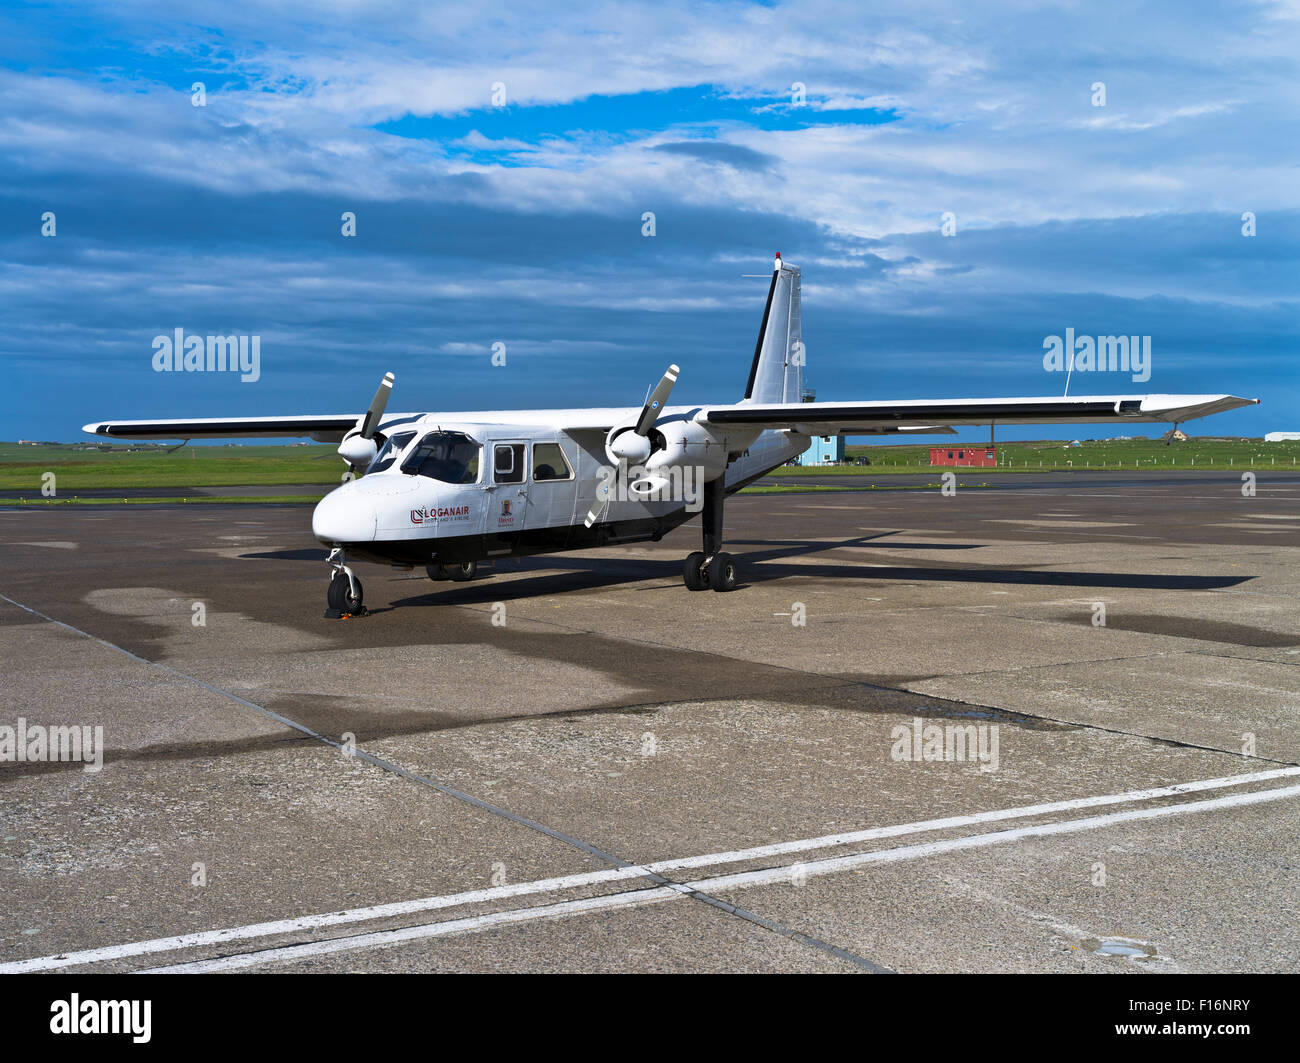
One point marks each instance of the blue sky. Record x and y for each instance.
(522, 223)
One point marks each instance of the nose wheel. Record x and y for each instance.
(345, 596)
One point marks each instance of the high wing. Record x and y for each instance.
(920, 415)
(331, 428)
(912, 416)
(324, 428)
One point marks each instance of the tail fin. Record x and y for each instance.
(777, 372)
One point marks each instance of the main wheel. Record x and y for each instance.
(693, 572)
(437, 572)
(340, 595)
(463, 572)
(722, 572)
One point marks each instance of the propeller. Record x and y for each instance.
(358, 449)
(632, 445)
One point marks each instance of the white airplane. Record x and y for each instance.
(451, 490)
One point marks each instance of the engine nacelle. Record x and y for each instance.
(357, 451)
(674, 450)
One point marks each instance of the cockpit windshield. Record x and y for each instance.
(390, 451)
(451, 457)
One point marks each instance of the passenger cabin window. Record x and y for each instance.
(508, 463)
(549, 463)
(390, 451)
(451, 457)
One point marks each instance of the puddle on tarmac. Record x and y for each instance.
(1141, 950)
(1033, 723)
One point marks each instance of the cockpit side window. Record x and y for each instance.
(451, 457)
(390, 451)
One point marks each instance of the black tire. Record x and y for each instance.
(437, 572)
(722, 573)
(693, 572)
(463, 572)
(340, 595)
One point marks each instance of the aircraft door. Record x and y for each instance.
(506, 487)
(552, 485)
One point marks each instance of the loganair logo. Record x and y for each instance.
(433, 514)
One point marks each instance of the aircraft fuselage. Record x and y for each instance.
(523, 496)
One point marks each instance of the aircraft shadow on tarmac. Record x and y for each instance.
(559, 573)
(763, 566)
(583, 573)
(309, 554)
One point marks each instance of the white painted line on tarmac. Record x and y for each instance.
(875, 833)
(1070, 826)
(743, 880)
(565, 882)
(386, 938)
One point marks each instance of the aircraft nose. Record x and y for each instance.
(344, 516)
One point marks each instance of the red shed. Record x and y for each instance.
(959, 454)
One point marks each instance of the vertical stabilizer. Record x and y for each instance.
(777, 371)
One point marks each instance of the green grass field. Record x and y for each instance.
(1137, 455)
(200, 500)
(23, 467)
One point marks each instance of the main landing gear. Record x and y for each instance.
(345, 597)
(461, 572)
(710, 567)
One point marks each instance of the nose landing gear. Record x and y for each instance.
(345, 596)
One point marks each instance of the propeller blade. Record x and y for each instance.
(598, 506)
(650, 412)
(655, 403)
(359, 450)
(377, 406)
